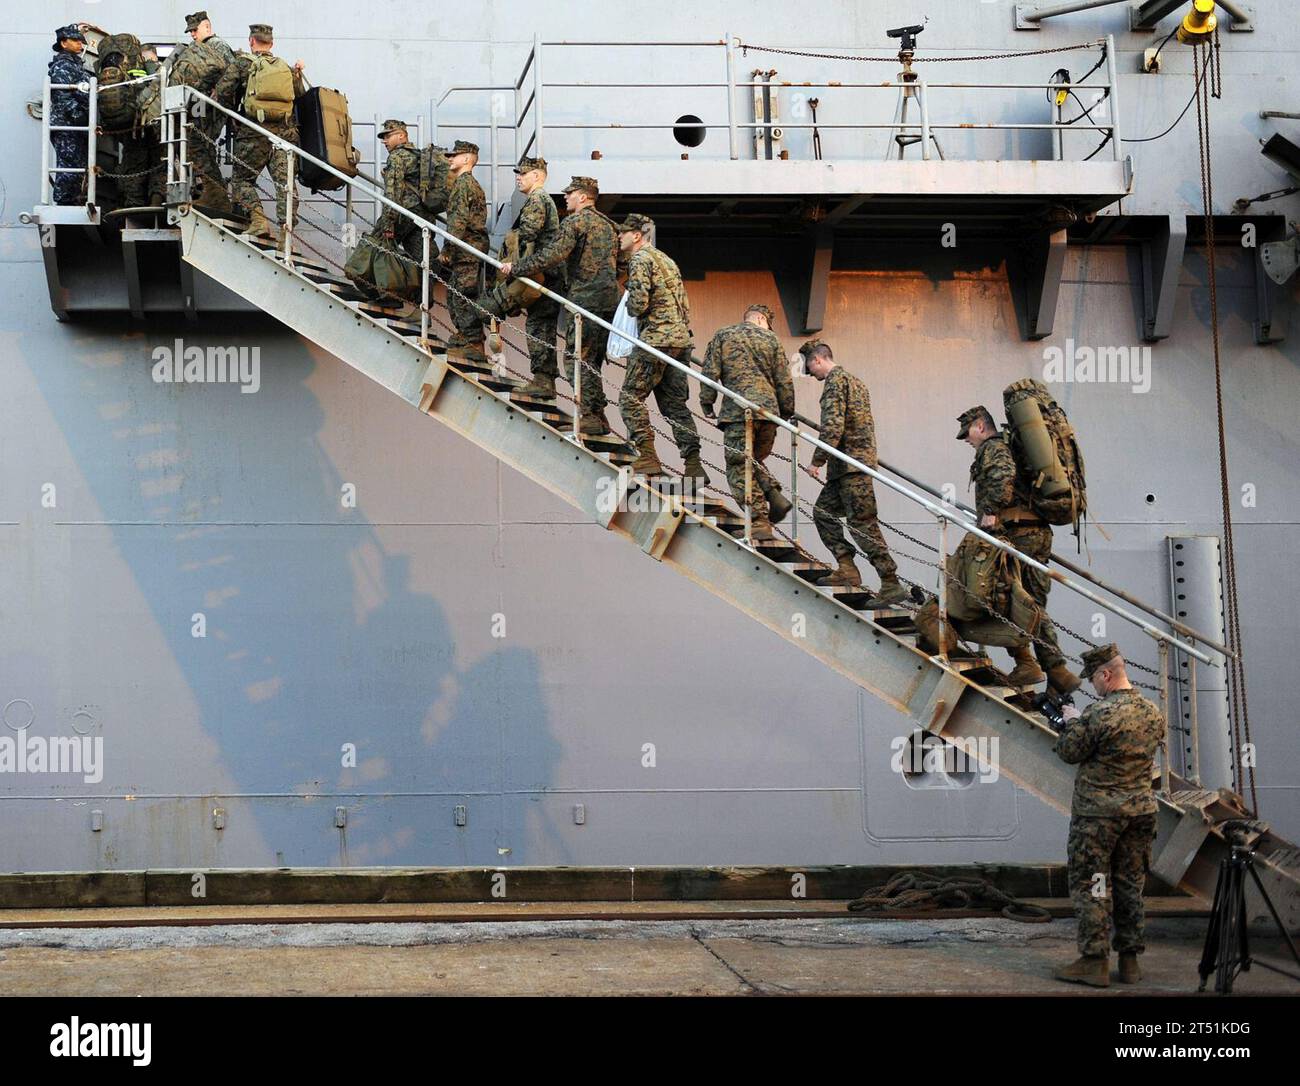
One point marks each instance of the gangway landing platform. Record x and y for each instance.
(874, 199)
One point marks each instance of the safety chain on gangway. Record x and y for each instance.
(308, 214)
(324, 226)
(1207, 55)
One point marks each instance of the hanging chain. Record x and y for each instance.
(1207, 54)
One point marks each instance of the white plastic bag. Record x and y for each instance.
(620, 346)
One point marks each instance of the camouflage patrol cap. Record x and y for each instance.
(970, 415)
(72, 30)
(462, 147)
(643, 224)
(583, 184)
(526, 164)
(392, 125)
(192, 21)
(758, 307)
(1098, 658)
(260, 30)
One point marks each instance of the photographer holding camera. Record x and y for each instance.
(1112, 816)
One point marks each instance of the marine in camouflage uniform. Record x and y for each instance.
(1112, 817)
(748, 359)
(138, 172)
(656, 297)
(1003, 494)
(252, 151)
(402, 186)
(201, 65)
(536, 227)
(467, 220)
(847, 425)
(69, 107)
(585, 249)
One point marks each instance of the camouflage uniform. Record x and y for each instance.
(467, 220)
(751, 361)
(538, 225)
(846, 424)
(70, 107)
(585, 245)
(1113, 812)
(656, 297)
(1001, 492)
(201, 66)
(252, 151)
(402, 186)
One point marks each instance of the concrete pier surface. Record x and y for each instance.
(326, 953)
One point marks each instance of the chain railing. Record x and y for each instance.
(945, 513)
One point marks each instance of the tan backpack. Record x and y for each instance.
(269, 95)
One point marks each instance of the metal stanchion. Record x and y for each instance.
(577, 378)
(1191, 709)
(943, 588)
(424, 287)
(749, 475)
(290, 173)
(794, 485)
(1163, 647)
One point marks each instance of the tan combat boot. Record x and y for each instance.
(593, 424)
(1061, 679)
(259, 226)
(1027, 672)
(779, 507)
(1129, 970)
(541, 386)
(892, 591)
(213, 200)
(694, 469)
(1094, 972)
(846, 574)
(760, 528)
(647, 463)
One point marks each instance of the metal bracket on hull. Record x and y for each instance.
(1162, 260)
(1044, 262)
(1272, 305)
(819, 278)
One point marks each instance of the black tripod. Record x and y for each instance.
(1227, 942)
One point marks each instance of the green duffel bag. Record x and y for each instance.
(379, 272)
(393, 274)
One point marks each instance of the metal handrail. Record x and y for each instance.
(945, 513)
(1065, 563)
(91, 83)
(729, 44)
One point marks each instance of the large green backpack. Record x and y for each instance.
(119, 62)
(1047, 453)
(117, 103)
(269, 95)
(435, 180)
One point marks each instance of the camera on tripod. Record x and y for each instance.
(908, 34)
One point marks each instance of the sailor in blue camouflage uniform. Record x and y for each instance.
(1112, 817)
(69, 107)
